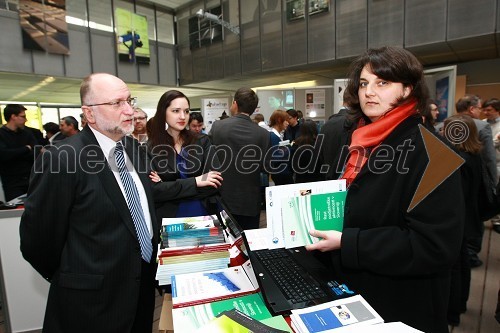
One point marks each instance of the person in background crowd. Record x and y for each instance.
(281, 172)
(96, 244)
(300, 117)
(53, 134)
(196, 122)
(491, 109)
(388, 252)
(293, 129)
(471, 105)
(469, 149)
(17, 152)
(140, 120)
(306, 167)
(429, 116)
(69, 126)
(183, 159)
(234, 138)
(259, 120)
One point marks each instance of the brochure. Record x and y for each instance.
(311, 212)
(209, 286)
(335, 316)
(275, 196)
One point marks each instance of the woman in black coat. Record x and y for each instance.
(395, 252)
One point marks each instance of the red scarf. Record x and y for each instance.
(368, 137)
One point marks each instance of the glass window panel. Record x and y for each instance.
(50, 115)
(76, 9)
(165, 29)
(150, 16)
(100, 15)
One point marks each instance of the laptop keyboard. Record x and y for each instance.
(294, 282)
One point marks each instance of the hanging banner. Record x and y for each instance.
(214, 109)
(43, 26)
(132, 35)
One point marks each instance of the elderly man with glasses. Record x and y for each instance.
(97, 243)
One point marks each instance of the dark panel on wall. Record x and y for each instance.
(271, 35)
(148, 73)
(167, 68)
(467, 20)
(14, 58)
(425, 22)
(103, 52)
(78, 61)
(48, 64)
(294, 36)
(250, 36)
(321, 36)
(185, 65)
(200, 64)
(215, 62)
(231, 43)
(351, 27)
(385, 23)
(471, 33)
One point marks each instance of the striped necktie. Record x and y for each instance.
(134, 204)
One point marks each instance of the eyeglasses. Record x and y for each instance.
(140, 118)
(132, 101)
(22, 116)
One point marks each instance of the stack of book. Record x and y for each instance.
(191, 244)
(191, 231)
(181, 260)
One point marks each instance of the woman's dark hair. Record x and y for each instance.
(471, 143)
(158, 135)
(393, 64)
(195, 116)
(308, 133)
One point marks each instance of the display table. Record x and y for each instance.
(24, 291)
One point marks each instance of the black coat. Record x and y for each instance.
(400, 261)
(173, 189)
(84, 242)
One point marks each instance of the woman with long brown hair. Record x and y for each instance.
(182, 158)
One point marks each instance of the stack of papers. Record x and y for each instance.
(191, 231)
(172, 261)
(194, 244)
(215, 285)
(343, 315)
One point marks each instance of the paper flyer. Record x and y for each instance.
(335, 316)
(274, 200)
(311, 211)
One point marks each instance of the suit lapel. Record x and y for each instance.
(108, 180)
(138, 155)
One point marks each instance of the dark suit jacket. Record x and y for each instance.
(236, 139)
(84, 242)
(172, 190)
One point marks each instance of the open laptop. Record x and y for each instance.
(290, 278)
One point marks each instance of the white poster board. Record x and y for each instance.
(212, 110)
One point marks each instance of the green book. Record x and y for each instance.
(311, 212)
(190, 318)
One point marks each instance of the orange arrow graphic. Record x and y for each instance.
(443, 161)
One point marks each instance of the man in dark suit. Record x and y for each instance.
(241, 146)
(90, 243)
